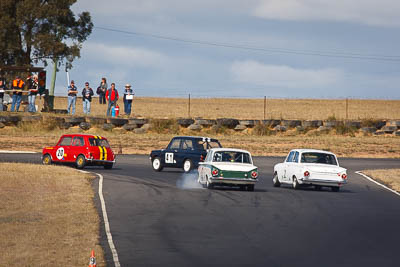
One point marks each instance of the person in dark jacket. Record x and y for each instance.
(87, 94)
(128, 97)
(112, 97)
(2, 90)
(17, 86)
(33, 87)
(72, 91)
(101, 91)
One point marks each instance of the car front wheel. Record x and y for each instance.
(187, 165)
(275, 180)
(157, 166)
(295, 183)
(80, 162)
(335, 188)
(46, 160)
(108, 166)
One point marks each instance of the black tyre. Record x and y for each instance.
(295, 183)
(335, 188)
(187, 165)
(317, 187)
(157, 165)
(275, 180)
(250, 187)
(108, 166)
(46, 159)
(80, 162)
(209, 185)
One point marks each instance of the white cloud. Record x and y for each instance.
(123, 55)
(371, 12)
(256, 73)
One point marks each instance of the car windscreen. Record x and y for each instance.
(204, 145)
(316, 157)
(232, 156)
(98, 142)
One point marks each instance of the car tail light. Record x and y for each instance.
(214, 172)
(306, 173)
(201, 158)
(344, 176)
(254, 174)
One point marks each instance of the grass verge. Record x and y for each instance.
(47, 216)
(388, 177)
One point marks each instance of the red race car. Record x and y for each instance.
(81, 150)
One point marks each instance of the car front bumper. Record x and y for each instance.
(322, 182)
(232, 181)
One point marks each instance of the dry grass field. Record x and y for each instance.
(390, 178)
(211, 108)
(35, 137)
(47, 217)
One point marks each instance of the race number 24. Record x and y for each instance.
(169, 157)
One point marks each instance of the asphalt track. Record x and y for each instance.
(163, 219)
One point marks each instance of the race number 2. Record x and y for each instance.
(60, 153)
(169, 157)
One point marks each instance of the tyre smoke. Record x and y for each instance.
(188, 181)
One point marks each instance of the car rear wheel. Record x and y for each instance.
(295, 183)
(335, 188)
(108, 166)
(209, 185)
(250, 187)
(317, 187)
(187, 165)
(46, 160)
(157, 166)
(80, 162)
(275, 180)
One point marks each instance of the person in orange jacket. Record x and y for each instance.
(112, 97)
(17, 87)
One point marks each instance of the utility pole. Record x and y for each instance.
(265, 106)
(52, 85)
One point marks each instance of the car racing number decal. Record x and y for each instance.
(60, 153)
(169, 157)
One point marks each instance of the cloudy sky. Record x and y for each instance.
(236, 48)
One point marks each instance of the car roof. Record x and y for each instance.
(83, 135)
(302, 150)
(195, 137)
(229, 149)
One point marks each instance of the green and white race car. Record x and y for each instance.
(227, 166)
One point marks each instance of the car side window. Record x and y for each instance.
(296, 157)
(187, 144)
(78, 141)
(175, 144)
(66, 141)
(290, 157)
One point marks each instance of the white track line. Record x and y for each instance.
(106, 223)
(372, 180)
(17, 152)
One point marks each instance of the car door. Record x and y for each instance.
(77, 147)
(292, 167)
(63, 149)
(286, 165)
(172, 152)
(189, 151)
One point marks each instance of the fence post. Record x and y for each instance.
(189, 107)
(265, 105)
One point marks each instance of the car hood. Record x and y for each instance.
(226, 166)
(311, 167)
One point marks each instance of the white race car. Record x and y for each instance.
(310, 167)
(227, 166)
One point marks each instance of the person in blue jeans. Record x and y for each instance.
(128, 97)
(87, 94)
(33, 87)
(72, 91)
(112, 98)
(17, 87)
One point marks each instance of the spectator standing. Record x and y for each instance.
(101, 91)
(2, 90)
(87, 94)
(33, 87)
(72, 91)
(17, 87)
(128, 97)
(112, 97)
